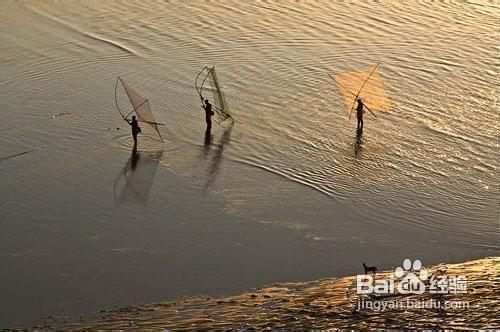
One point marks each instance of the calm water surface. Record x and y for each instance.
(289, 194)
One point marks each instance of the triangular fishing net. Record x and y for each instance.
(367, 84)
(141, 107)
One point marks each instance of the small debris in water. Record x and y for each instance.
(60, 114)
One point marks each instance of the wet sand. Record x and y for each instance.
(321, 304)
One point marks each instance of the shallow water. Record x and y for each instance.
(287, 195)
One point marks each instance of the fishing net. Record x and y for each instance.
(220, 103)
(141, 107)
(367, 84)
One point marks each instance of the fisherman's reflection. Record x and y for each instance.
(208, 137)
(134, 159)
(359, 142)
(216, 153)
(133, 184)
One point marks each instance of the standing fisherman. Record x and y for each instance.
(359, 113)
(135, 129)
(208, 113)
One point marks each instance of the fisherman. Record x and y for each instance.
(359, 113)
(208, 113)
(135, 129)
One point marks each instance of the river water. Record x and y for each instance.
(288, 194)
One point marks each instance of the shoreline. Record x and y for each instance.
(319, 304)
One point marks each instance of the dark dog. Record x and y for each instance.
(371, 269)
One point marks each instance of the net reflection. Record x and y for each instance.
(133, 184)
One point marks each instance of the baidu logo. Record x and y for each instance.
(408, 279)
(411, 277)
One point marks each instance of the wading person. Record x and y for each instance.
(208, 113)
(359, 113)
(135, 129)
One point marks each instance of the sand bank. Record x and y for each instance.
(321, 304)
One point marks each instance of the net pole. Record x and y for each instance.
(116, 98)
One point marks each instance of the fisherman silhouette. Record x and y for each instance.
(359, 113)
(208, 112)
(135, 129)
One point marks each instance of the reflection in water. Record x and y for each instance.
(208, 139)
(133, 184)
(215, 161)
(359, 142)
